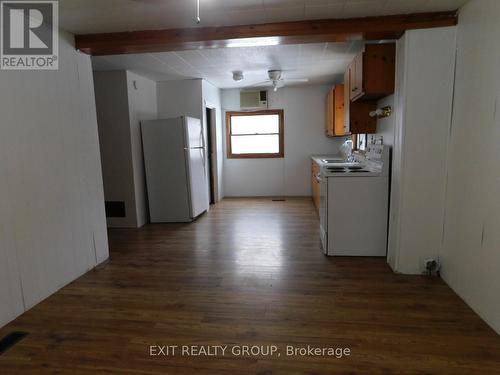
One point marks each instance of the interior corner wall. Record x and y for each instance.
(52, 220)
(470, 255)
(113, 119)
(142, 105)
(123, 100)
(304, 135)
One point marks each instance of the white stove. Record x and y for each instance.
(355, 204)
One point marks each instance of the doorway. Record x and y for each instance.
(210, 115)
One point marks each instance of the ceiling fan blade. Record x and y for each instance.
(296, 79)
(263, 83)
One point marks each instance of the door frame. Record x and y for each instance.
(213, 179)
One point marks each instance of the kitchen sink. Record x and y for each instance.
(328, 161)
(344, 164)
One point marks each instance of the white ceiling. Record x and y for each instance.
(320, 62)
(95, 16)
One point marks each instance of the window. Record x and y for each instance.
(359, 142)
(255, 134)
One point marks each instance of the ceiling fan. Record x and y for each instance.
(276, 80)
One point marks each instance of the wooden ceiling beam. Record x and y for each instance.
(297, 32)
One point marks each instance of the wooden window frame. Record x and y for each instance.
(280, 154)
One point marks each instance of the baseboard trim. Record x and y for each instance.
(269, 197)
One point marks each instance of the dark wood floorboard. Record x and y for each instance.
(250, 272)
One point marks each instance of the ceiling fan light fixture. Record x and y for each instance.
(198, 19)
(274, 75)
(238, 75)
(276, 80)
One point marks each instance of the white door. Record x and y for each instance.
(198, 186)
(194, 133)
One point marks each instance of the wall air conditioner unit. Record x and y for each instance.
(253, 99)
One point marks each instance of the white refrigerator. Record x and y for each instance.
(175, 165)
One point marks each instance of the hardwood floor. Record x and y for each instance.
(248, 273)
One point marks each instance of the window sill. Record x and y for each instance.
(255, 156)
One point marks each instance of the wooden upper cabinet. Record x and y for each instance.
(356, 76)
(369, 77)
(329, 121)
(334, 125)
(373, 72)
(347, 94)
(339, 111)
(360, 120)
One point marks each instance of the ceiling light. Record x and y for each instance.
(254, 42)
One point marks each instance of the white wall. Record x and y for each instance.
(471, 250)
(121, 107)
(180, 98)
(424, 88)
(142, 105)
(188, 98)
(52, 217)
(304, 111)
(385, 126)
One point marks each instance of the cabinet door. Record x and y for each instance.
(339, 111)
(315, 185)
(347, 99)
(356, 77)
(379, 64)
(361, 122)
(329, 121)
(316, 194)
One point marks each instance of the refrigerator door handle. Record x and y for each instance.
(203, 151)
(203, 156)
(202, 134)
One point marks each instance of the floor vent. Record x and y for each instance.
(115, 209)
(279, 200)
(10, 340)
